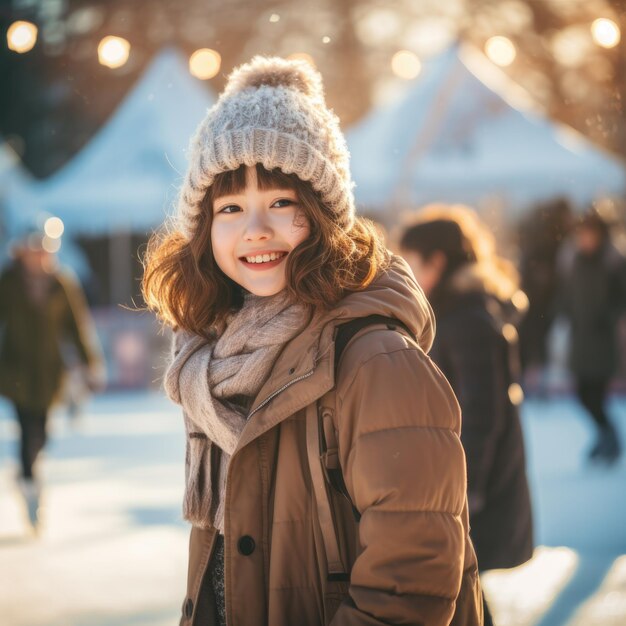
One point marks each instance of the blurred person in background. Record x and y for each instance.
(592, 298)
(42, 308)
(541, 235)
(475, 297)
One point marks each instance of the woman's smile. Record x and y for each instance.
(263, 259)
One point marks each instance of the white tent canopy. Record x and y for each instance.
(452, 138)
(126, 177)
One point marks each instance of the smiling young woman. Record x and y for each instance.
(185, 283)
(266, 265)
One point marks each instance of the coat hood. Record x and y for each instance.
(393, 293)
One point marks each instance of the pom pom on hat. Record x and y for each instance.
(276, 72)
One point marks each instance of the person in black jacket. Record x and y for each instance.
(592, 298)
(476, 302)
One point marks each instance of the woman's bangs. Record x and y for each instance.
(274, 179)
(233, 182)
(229, 183)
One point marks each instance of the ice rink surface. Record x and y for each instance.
(112, 546)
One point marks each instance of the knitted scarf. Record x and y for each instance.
(209, 378)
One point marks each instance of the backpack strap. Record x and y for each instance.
(323, 448)
(346, 331)
(336, 569)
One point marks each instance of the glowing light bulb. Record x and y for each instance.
(205, 63)
(406, 64)
(21, 36)
(113, 52)
(500, 50)
(54, 227)
(605, 32)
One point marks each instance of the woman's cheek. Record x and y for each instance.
(301, 227)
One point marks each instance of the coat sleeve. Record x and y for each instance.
(404, 467)
(476, 362)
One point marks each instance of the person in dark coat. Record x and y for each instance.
(476, 302)
(41, 309)
(593, 297)
(541, 235)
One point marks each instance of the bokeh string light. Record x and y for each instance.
(406, 64)
(22, 36)
(500, 50)
(54, 227)
(205, 63)
(113, 52)
(605, 32)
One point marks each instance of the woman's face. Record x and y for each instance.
(253, 232)
(426, 272)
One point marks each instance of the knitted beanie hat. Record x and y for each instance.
(271, 112)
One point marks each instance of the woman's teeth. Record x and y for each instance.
(265, 258)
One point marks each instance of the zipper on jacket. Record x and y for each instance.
(273, 395)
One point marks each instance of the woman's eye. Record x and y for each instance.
(284, 202)
(231, 208)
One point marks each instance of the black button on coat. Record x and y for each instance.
(246, 545)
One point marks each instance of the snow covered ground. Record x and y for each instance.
(112, 548)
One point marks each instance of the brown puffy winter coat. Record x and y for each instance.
(398, 425)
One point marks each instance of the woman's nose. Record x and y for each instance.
(257, 228)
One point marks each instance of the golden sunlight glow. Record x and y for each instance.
(54, 227)
(21, 36)
(509, 332)
(520, 300)
(516, 394)
(523, 594)
(205, 63)
(500, 50)
(274, 17)
(113, 52)
(605, 32)
(379, 26)
(302, 56)
(607, 605)
(406, 64)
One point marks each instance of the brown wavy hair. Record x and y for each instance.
(183, 284)
(464, 239)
